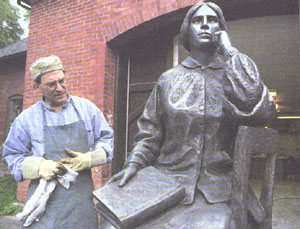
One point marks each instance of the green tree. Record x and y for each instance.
(27, 16)
(10, 29)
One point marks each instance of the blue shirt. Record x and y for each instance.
(26, 136)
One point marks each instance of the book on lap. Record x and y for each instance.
(147, 194)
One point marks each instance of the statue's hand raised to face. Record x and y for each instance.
(222, 40)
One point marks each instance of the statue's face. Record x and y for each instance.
(204, 24)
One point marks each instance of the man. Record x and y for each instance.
(189, 123)
(59, 129)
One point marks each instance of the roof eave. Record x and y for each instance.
(25, 4)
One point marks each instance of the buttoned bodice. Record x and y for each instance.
(190, 120)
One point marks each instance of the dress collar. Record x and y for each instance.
(217, 63)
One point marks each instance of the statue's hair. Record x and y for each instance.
(184, 31)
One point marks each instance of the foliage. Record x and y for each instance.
(8, 190)
(27, 15)
(10, 29)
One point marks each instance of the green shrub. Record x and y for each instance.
(8, 192)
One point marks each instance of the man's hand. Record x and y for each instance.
(49, 169)
(82, 161)
(78, 161)
(38, 167)
(125, 175)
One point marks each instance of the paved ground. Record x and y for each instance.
(9, 222)
(286, 204)
(286, 212)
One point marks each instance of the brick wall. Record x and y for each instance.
(12, 79)
(11, 84)
(78, 31)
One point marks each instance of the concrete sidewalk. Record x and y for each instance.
(9, 222)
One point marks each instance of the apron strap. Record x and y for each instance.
(78, 113)
(71, 101)
(44, 116)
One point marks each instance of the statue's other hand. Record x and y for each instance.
(125, 175)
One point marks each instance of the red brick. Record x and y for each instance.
(77, 31)
(11, 84)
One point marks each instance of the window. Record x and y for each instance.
(15, 105)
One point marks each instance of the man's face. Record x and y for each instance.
(204, 24)
(53, 88)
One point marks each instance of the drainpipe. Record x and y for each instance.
(24, 4)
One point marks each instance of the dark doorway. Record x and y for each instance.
(260, 30)
(139, 66)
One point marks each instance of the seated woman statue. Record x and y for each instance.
(189, 123)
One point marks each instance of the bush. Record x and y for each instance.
(8, 192)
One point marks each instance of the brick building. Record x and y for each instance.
(12, 71)
(114, 51)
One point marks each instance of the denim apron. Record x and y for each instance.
(72, 208)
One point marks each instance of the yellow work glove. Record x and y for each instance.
(38, 167)
(82, 161)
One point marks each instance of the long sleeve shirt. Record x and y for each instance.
(26, 137)
(189, 123)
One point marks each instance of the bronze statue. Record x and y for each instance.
(189, 123)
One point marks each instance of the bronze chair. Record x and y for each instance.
(252, 140)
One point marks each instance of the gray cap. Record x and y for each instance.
(45, 65)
